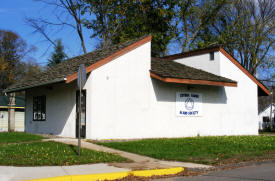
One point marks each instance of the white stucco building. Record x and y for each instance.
(129, 94)
(19, 119)
(264, 116)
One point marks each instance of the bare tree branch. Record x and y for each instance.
(39, 29)
(72, 8)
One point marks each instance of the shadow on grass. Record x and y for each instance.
(74, 149)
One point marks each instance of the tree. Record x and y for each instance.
(58, 55)
(153, 17)
(31, 69)
(194, 18)
(245, 28)
(121, 20)
(107, 21)
(71, 8)
(13, 50)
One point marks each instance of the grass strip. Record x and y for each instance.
(17, 137)
(213, 150)
(51, 153)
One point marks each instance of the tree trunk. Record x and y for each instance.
(11, 119)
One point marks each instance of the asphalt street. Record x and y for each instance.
(264, 172)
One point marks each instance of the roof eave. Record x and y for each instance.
(36, 85)
(115, 55)
(225, 53)
(263, 110)
(12, 107)
(192, 53)
(254, 79)
(192, 81)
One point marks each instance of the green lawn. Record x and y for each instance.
(16, 137)
(206, 150)
(51, 153)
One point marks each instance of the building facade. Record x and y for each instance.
(19, 113)
(130, 95)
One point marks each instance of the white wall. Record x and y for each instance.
(242, 106)
(203, 62)
(118, 97)
(265, 113)
(4, 120)
(167, 124)
(19, 120)
(123, 102)
(60, 110)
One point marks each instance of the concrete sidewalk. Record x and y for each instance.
(10, 173)
(139, 161)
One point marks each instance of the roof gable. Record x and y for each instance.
(111, 57)
(266, 108)
(170, 71)
(66, 71)
(226, 54)
(254, 79)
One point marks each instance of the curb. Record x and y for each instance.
(115, 175)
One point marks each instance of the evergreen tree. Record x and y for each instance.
(58, 55)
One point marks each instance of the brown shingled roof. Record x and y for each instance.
(262, 89)
(170, 71)
(63, 70)
(165, 70)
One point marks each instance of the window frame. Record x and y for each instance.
(212, 56)
(39, 106)
(266, 119)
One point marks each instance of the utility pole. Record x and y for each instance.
(11, 119)
(81, 80)
(271, 121)
(79, 117)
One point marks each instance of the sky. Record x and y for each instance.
(12, 17)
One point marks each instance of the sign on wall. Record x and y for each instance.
(188, 104)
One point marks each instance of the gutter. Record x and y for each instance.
(36, 85)
(7, 107)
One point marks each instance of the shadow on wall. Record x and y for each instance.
(166, 92)
(60, 106)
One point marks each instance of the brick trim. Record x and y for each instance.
(192, 81)
(111, 57)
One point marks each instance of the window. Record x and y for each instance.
(266, 119)
(212, 56)
(39, 108)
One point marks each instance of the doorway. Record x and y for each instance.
(83, 114)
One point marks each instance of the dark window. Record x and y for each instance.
(39, 108)
(212, 56)
(83, 114)
(184, 95)
(266, 119)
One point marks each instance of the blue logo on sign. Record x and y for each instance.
(189, 104)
